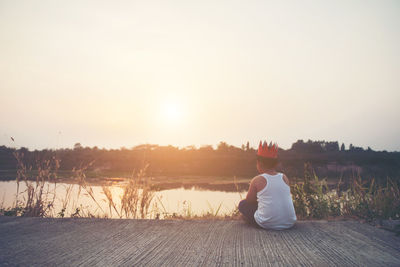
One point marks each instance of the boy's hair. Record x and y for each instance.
(268, 163)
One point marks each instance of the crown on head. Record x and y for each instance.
(268, 151)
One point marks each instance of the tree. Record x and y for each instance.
(331, 146)
(342, 148)
(77, 146)
(298, 146)
(222, 146)
(206, 148)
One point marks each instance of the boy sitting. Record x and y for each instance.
(268, 203)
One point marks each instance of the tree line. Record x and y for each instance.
(329, 159)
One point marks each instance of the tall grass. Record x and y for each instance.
(39, 197)
(137, 196)
(368, 200)
(134, 202)
(312, 198)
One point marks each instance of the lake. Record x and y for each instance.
(178, 201)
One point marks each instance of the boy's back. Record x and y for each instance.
(275, 206)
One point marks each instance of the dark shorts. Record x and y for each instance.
(248, 210)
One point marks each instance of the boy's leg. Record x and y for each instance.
(248, 210)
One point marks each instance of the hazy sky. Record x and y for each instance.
(123, 73)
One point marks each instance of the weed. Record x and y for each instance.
(363, 199)
(312, 197)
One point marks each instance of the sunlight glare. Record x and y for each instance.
(172, 112)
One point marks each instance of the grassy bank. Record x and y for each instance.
(313, 198)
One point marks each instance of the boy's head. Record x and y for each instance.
(266, 163)
(267, 156)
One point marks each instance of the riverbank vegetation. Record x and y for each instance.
(329, 159)
(312, 197)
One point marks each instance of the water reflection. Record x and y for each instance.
(180, 201)
(226, 187)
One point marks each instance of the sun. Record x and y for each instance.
(172, 112)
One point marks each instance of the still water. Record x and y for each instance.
(179, 201)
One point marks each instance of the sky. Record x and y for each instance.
(122, 73)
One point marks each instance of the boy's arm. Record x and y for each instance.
(286, 180)
(252, 193)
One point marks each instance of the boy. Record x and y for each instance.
(268, 203)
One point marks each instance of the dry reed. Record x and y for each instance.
(312, 197)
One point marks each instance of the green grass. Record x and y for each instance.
(362, 199)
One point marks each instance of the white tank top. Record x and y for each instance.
(275, 206)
